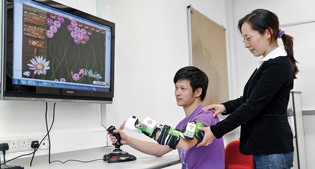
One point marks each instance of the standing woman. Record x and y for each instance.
(262, 110)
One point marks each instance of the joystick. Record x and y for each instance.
(117, 155)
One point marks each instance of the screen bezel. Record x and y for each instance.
(55, 94)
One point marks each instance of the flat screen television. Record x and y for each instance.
(54, 52)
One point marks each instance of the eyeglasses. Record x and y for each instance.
(247, 40)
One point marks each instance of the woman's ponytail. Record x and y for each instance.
(288, 45)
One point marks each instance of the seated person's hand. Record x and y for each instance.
(124, 137)
(122, 126)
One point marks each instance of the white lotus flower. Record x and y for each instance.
(97, 76)
(94, 75)
(39, 65)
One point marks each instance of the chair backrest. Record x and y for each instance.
(234, 159)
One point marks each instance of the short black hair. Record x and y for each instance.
(196, 77)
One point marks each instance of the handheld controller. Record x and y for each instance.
(117, 135)
(117, 155)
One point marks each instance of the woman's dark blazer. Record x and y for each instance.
(262, 110)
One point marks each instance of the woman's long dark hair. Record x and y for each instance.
(261, 20)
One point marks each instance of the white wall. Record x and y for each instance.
(309, 136)
(151, 45)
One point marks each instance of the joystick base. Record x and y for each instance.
(118, 156)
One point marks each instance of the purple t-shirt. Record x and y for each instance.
(210, 157)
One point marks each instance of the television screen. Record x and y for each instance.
(53, 51)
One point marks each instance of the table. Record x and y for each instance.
(143, 160)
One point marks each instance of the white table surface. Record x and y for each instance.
(143, 161)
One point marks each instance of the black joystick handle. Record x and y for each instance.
(117, 135)
(117, 155)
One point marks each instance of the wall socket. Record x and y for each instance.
(24, 143)
(44, 145)
(13, 144)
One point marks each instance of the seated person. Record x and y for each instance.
(190, 90)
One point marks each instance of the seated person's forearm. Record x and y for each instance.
(148, 147)
(173, 138)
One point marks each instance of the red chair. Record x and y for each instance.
(234, 159)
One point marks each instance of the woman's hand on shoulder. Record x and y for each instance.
(217, 108)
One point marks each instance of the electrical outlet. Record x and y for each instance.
(44, 145)
(13, 144)
(25, 144)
